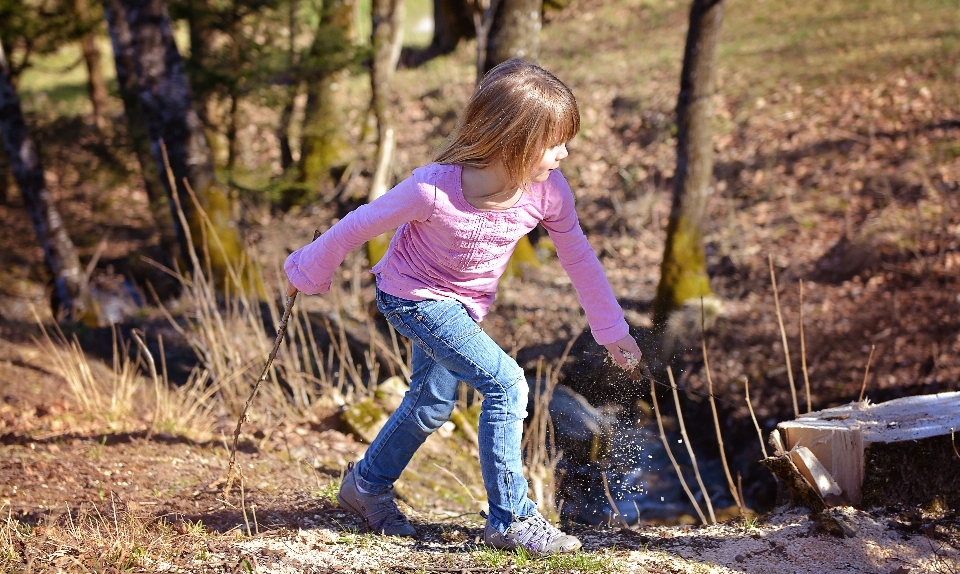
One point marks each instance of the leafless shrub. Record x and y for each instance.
(539, 439)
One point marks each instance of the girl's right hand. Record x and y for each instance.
(291, 290)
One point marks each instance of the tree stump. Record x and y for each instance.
(866, 455)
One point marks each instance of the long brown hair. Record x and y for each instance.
(518, 111)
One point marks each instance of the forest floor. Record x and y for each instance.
(838, 163)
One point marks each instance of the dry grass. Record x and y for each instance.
(109, 537)
(107, 394)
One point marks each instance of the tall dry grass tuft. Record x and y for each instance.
(232, 324)
(187, 409)
(107, 394)
(109, 538)
(120, 396)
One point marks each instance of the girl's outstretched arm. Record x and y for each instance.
(310, 269)
(578, 259)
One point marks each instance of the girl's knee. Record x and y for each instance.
(509, 400)
(431, 417)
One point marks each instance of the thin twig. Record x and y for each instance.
(863, 387)
(743, 507)
(689, 445)
(746, 387)
(460, 482)
(953, 442)
(243, 506)
(613, 505)
(263, 375)
(783, 336)
(156, 380)
(713, 407)
(281, 329)
(666, 445)
(803, 354)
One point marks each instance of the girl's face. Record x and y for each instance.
(549, 162)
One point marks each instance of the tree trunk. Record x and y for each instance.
(164, 95)
(683, 274)
(387, 37)
(173, 242)
(511, 29)
(452, 22)
(514, 32)
(4, 173)
(24, 155)
(91, 54)
(324, 148)
(286, 114)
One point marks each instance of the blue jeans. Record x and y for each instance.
(450, 347)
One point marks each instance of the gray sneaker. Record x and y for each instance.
(532, 533)
(379, 510)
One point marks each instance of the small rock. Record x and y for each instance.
(390, 393)
(364, 419)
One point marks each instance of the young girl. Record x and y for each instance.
(458, 221)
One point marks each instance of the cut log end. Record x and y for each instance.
(863, 455)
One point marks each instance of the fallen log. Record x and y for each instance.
(867, 455)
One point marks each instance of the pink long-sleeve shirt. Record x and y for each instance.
(444, 248)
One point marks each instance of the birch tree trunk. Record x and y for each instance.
(24, 156)
(683, 273)
(173, 242)
(164, 95)
(387, 37)
(96, 83)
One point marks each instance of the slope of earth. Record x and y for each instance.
(80, 496)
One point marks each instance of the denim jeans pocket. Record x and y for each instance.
(446, 320)
(428, 322)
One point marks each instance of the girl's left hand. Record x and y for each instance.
(625, 352)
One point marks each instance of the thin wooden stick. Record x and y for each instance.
(783, 336)
(287, 308)
(743, 507)
(863, 387)
(746, 386)
(803, 354)
(689, 445)
(613, 505)
(666, 445)
(953, 442)
(281, 329)
(713, 408)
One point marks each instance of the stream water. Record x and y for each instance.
(640, 480)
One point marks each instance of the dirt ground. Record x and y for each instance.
(99, 500)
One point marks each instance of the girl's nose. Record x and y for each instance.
(563, 151)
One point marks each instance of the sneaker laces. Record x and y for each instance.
(535, 532)
(385, 512)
